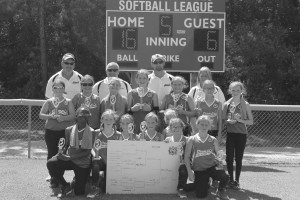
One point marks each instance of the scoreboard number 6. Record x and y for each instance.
(206, 40)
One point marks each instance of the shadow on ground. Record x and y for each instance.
(248, 195)
(252, 168)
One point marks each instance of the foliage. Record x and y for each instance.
(262, 45)
(261, 49)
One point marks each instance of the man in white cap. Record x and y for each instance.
(159, 79)
(70, 77)
(101, 88)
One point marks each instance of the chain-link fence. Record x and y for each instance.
(274, 137)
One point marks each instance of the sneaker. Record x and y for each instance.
(65, 191)
(236, 185)
(230, 184)
(53, 183)
(181, 193)
(48, 178)
(94, 192)
(222, 194)
(215, 184)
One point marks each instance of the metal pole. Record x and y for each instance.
(29, 131)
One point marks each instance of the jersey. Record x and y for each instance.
(83, 162)
(183, 141)
(62, 109)
(157, 137)
(162, 86)
(101, 88)
(134, 137)
(72, 86)
(211, 110)
(103, 142)
(120, 105)
(237, 127)
(139, 116)
(203, 152)
(182, 102)
(93, 104)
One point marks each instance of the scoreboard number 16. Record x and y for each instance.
(125, 38)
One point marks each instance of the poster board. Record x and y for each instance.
(142, 167)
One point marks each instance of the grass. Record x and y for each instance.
(25, 179)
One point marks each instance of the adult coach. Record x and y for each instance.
(196, 92)
(159, 79)
(101, 88)
(67, 75)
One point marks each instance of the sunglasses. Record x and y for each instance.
(112, 70)
(69, 63)
(55, 87)
(158, 62)
(87, 84)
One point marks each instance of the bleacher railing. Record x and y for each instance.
(276, 130)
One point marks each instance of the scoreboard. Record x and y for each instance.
(190, 34)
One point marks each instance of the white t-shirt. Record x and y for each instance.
(162, 86)
(101, 88)
(72, 86)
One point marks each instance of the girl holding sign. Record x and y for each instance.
(106, 132)
(89, 100)
(59, 113)
(75, 155)
(127, 128)
(176, 127)
(149, 129)
(182, 103)
(141, 100)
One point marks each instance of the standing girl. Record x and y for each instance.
(114, 100)
(141, 100)
(89, 100)
(106, 132)
(182, 103)
(237, 114)
(205, 149)
(176, 126)
(212, 107)
(151, 134)
(59, 114)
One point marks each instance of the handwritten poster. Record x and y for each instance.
(142, 167)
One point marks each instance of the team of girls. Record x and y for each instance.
(135, 118)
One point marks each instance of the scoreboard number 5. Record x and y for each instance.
(166, 25)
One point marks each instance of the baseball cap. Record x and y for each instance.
(68, 56)
(158, 57)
